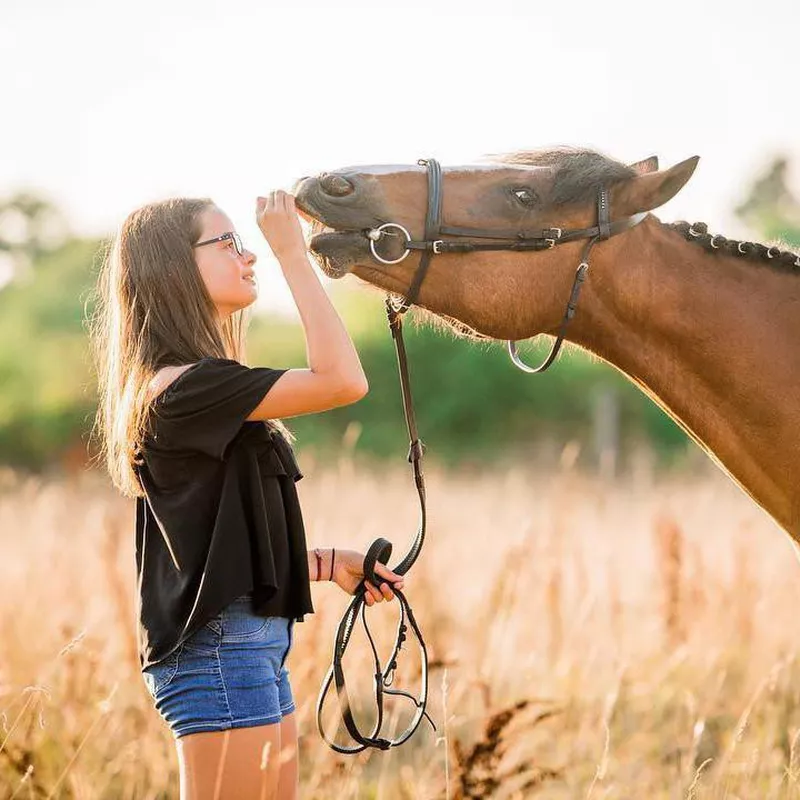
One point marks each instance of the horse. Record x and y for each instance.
(706, 326)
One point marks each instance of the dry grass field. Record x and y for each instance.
(587, 640)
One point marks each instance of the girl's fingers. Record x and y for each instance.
(385, 572)
(378, 594)
(277, 200)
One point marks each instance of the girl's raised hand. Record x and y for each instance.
(277, 218)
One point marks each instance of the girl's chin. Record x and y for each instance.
(242, 305)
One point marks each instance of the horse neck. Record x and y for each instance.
(713, 339)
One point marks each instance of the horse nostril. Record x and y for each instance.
(335, 185)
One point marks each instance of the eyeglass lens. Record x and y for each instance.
(237, 242)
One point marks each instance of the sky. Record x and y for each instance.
(111, 105)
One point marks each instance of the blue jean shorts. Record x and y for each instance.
(230, 673)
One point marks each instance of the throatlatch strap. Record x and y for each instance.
(569, 313)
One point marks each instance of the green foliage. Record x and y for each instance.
(48, 393)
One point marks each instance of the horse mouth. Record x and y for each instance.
(335, 250)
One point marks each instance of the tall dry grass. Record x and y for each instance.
(586, 640)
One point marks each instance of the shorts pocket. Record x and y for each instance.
(240, 625)
(157, 676)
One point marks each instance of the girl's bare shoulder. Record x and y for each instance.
(164, 378)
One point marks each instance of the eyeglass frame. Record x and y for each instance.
(232, 235)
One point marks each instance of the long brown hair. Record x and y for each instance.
(152, 310)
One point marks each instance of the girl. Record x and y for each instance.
(193, 435)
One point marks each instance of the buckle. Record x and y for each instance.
(551, 243)
(555, 233)
(437, 245)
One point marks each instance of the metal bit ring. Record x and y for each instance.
(378, 230)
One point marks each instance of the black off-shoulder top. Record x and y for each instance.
(220, 516)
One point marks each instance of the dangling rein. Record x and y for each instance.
(380, 550)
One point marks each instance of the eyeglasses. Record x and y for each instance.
(237, 242)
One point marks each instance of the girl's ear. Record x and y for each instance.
(650, 190)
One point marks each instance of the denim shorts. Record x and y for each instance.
(228, 674)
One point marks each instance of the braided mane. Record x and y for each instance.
(783, 260)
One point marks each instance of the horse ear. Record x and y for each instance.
(650, 190)
(645, 166)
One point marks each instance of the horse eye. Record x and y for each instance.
(525, 196)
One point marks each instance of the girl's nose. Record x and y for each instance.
(249, 257)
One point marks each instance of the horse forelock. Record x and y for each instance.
(579, 172)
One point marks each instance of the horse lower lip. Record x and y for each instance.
(336, 239)
(320, 238)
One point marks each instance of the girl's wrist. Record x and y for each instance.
(324, 560)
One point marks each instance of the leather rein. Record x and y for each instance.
(381, 549)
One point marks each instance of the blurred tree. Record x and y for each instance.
(771, 208)
(47, 394)
(30, 226)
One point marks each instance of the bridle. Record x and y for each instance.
(521, 240)
(381, 549)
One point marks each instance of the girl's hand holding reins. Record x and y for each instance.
(348, 572)
(277, 218)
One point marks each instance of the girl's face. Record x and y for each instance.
(228, 276)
